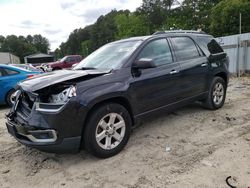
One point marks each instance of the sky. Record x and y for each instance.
(55, 19)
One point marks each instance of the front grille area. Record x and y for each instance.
(25, 105)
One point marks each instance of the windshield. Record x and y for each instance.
(110, 56)
(63, 59)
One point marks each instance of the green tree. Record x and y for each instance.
(29, 39)
(156, 12)
(130, 25)
(225, 17)
(153, 13)
(104, 30)
(86, 47)
(41, 43)
(22, 46)
(191, 15)
(2, 38)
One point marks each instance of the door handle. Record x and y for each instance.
(174, 72)
(204, 64)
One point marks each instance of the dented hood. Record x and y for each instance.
(51, 78)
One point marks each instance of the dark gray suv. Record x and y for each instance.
(95, 105)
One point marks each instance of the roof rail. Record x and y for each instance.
(179, 31)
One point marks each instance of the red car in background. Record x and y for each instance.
(65, 63)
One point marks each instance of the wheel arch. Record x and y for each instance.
(223, 75)
(118, 99)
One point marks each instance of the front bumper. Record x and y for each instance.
(67, 145)
(49, 131)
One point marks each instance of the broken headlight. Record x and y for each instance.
(64, 96)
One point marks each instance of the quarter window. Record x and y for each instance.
(159, 51)
(211, 44)
(185, 48)
(214, 47)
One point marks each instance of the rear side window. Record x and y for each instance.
(77, 59)
(214, 47)
(10, 72)
(185, 48)
(159, 51)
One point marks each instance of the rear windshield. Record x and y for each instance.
(211, 44)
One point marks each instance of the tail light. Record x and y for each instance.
(30, 75)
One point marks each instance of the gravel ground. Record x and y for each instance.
(203, 148)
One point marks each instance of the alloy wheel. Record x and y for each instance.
(218, 93)
(110, 131)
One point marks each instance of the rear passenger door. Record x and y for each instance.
(193, 66)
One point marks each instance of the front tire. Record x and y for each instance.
(217, 94)
(9, 99)
(56, 69)
(107, 131)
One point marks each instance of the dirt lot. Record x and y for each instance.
(205, 148)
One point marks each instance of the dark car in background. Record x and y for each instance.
(65, 63)
(95, 105)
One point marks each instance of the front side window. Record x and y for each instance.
(74, 59)
(70, 60)
(1, 72)
(159, 51)
(185, 48)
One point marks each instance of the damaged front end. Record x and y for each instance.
(53, 98)
(49, 119)
(49, 99)
(47, 113)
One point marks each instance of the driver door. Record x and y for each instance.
(69, 62)
(156, 87)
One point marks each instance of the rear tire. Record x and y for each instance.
(217, 94)
(107, 130)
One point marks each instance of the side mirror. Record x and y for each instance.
(144, 63)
